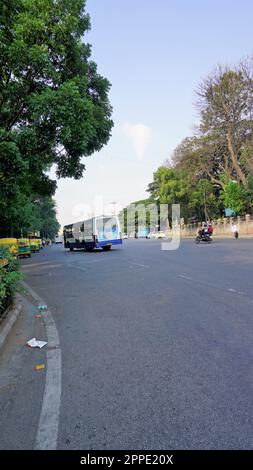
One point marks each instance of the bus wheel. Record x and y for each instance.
(106, 248)
(89, 249)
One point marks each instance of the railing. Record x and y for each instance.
(222, 226)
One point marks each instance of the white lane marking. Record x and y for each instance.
(197, 281)
(51, 266)
(34, 264)
(45, 266)
(47, 432)
(139, 264)
(82, 268)
(186, 277)
(234, 291)
(85, 267)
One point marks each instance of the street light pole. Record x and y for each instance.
(114, 204)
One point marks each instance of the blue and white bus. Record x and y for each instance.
(98, 232)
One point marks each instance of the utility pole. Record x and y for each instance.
(205, 208)
(114, 204)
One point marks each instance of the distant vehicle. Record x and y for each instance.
(98, 232)
(124, 236)
(143, 233)
(35, 244)
(132, 235)
(24, 248)
(58, 239)
(203, 236)
(11, 244)
(159, 235)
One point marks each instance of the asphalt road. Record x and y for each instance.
(156, 348)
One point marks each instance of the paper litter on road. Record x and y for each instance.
(42, 307)
(40, 366)
(34, 343)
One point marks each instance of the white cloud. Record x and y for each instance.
(140, 137)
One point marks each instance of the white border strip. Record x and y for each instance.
(47, 432)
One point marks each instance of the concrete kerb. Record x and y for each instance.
(8, 323)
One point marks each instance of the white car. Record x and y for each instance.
(58, 239)
(159, 235)
(162, 235)
(124, 236)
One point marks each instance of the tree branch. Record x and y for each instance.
(236, 165)
(214, 180)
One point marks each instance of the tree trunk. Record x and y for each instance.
(236, 165)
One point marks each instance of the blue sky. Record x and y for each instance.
(155, 55)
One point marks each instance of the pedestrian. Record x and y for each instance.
(235, 229)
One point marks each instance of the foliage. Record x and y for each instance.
(248, 195)
(204, 200)
(54, 106)
(34, 213)
(213, 169)
(226, 110)
(233, 197)
(9, 277)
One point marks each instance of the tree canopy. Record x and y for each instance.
(54, 106)
(213, 169)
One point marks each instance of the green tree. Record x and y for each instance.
(248, 195)
(49, 226)
(234, 196)
(226, 108)
(204, 200)
(54, 106)
(213, 169)
(200, 157)
(33, 213)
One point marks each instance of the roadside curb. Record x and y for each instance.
(9, 322)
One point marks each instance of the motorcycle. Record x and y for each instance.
(203, 237)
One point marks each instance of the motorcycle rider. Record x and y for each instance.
(203, 232)
(210, 228)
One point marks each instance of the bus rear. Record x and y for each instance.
(107, 231)
(98, 232)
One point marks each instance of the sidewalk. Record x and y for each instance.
(7, 323)
(21, 386)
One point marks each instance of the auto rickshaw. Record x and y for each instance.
(24, 248)
(3, 262)
(11, 244)
(34, 245)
